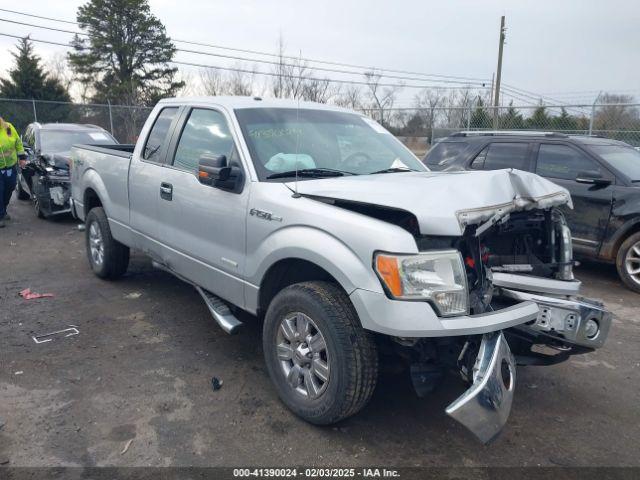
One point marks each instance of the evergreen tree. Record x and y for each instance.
(480, 119)
(125, 56)
(28, 80)
(539, 119)
(512, 119)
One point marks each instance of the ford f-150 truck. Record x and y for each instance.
(323, 225)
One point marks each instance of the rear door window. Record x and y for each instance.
(562, 161)
(499, 155)
(445, 152)
(158, 135)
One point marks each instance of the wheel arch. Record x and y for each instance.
(289, 271)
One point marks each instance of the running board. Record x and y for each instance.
(220, 311)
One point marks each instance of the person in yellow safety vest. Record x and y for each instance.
(11, 151)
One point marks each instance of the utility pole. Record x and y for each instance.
(496, 101)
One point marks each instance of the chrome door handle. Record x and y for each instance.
(166, 191)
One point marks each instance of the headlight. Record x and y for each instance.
(436, 276)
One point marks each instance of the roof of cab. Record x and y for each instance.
(237, 102)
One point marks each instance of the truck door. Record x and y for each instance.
(146, 172)
(203, 227)
(563, 164)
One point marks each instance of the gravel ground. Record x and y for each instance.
(134, 387)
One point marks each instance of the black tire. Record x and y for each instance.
(351, 352)
(22, 195)
(631, 281)
(37, 207)
(115, 255)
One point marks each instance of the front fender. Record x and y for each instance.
(320, 248)
(315, 246)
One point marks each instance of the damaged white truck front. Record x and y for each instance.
(318, 221)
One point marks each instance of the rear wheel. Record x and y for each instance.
(108, 257)
(323, 363)
(628, 262)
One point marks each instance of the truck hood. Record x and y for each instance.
(444, 203)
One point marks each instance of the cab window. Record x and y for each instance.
(564, 162)
(205, 133)
(158, 134)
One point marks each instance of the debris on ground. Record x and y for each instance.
(216, 383)
(81, 227)
(133, 295)
(19, 372)
(46, 337)
(126, 447)
(27, 294)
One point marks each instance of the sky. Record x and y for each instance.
(566, 50)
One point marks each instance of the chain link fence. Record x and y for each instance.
(123, 121)
(419, 128)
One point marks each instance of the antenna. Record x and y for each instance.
(296, 194)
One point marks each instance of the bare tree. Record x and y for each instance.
(428, 101)
(190, 86)
(614, 114)
(240, 82)
(350, 97)
(382, 98)
(212, 82)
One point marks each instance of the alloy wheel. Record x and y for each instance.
(632, 263)
(302, 352)
(96, 244)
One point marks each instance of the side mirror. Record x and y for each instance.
(213, 170)
(592, 177)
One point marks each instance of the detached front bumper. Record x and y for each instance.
(484, 408)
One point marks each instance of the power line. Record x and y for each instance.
(257, 52)
(232, 57)
(257, 72)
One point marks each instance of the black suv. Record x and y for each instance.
(602, 175)
(45, 178)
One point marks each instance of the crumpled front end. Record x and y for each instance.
(511, 258)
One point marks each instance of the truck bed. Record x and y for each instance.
(121, 150)
(109, 163)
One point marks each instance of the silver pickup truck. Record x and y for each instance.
(323, 225)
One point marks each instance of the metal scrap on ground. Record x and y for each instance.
(47, 337)
(27, 294)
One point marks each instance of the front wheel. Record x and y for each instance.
(323, 363)
(108, 257)
(628, 262)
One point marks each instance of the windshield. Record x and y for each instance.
(283, 139)
(53, 141)
(444, 152)
(623, 159)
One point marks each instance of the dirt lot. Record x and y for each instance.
(140, 370)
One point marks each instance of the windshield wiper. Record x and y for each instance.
(311, 172)
(393, 170)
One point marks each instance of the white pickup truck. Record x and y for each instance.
(332, 233)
